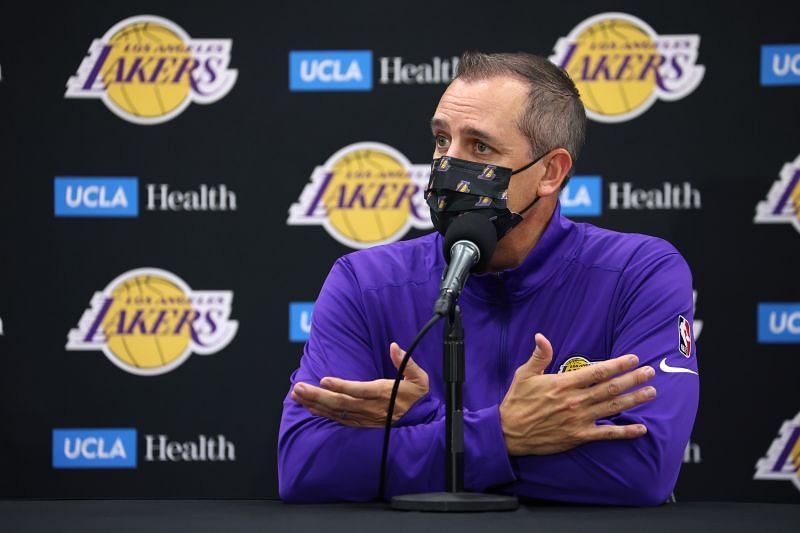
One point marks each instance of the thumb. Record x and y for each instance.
(413, 371)
(540, 358)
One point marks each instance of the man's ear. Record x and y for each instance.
(557, 165)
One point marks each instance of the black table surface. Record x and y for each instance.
(269, 515)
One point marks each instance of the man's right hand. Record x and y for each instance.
(551, 413)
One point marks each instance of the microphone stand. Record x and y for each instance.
(455, 499)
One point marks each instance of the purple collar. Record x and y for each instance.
(557, 246)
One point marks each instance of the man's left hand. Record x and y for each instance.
(364, 403)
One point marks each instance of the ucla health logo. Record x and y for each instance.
(148, 321)
(365, 194)
(119, 197)
(779, 323)
(147, 70)
(582, 197)
(782, 205)
(300, 320)
(94, 448)
(621, 66)
(96, 197)
(329, 70)
(782, 461)
(780, 64)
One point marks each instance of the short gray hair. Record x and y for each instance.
(554, 116)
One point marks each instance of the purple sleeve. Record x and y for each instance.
(320, 460)
(654, 291)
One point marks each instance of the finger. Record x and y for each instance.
(346, 420)
(599, 372)
(622, 403)
(412, 372)
(332, 400)
(540, 358)
(300, 399)
(296, 394)
(612, 432)
(614, 387)
(366, 390)
(367, 413)
(371, 415)
(320, 409)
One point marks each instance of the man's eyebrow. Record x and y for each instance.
(469, 130)
(438, 123)
(482, 135)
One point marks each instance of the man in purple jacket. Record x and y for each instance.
(578, 420)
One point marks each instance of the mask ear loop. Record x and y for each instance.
(529, 205)
(529, 165)
(526, 167)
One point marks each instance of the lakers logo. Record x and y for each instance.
(782, 205)
(148, 321)
(621, 66)
(488, 173)
(782, 460)
(365, 194)
(576, 362)
(147, 70)
(463, 186)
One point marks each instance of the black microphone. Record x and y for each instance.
(468, 246)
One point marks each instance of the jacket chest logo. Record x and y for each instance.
(574, 362)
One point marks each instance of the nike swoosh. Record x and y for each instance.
(674, 369)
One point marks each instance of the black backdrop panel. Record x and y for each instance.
(230, 149)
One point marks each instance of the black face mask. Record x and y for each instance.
(457, 186)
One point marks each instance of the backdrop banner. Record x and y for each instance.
(178, 181)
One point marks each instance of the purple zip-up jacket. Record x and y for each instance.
(594, 293)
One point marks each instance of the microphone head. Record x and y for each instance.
(474, 228)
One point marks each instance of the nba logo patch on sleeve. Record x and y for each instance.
(684, 336)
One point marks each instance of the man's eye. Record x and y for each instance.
(441, 141)
(482, 148)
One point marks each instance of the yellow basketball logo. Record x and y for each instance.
(147, 70)
(148, 321)
(576, 362)
(365, 194)
(621, 66)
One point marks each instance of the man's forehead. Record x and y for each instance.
(491, 104)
